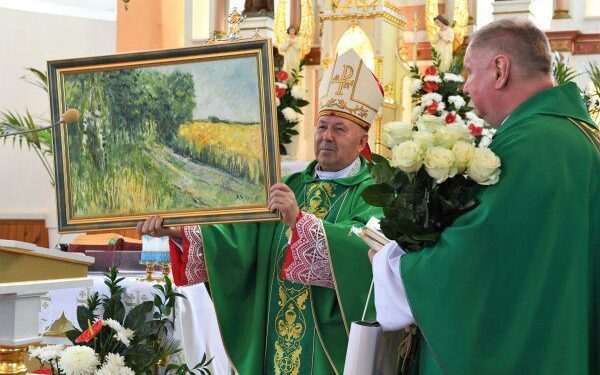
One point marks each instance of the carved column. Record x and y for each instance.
(561, 9)
(295, 14)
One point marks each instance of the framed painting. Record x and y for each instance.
(189, 134)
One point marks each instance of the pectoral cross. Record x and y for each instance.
(344, 82)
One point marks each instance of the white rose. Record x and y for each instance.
(447, 136)
(463, 153)
(78, 360)
(457, 100)
(298, 92)
(484, 167)
(396, 132)
(430, 123)
(423, 138)
(439, 164)
(290, 114)
(407, 156)
(415, 86)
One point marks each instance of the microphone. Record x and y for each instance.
(68, 117)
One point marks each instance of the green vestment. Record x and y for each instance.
(513, 287)
(274, 326)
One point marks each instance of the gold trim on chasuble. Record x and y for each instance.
(290, 322)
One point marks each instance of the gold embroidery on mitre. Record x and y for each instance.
(344, 82)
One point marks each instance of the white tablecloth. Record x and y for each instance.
(195, 321)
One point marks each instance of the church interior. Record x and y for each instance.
(43, 41)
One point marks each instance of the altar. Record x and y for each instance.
(195, 320)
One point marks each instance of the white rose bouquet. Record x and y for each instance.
(437, 163)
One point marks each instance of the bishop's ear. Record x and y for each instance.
(502, 71)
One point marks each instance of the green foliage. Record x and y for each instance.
(458, 64)
(435, 58)
(561, 71)
(200, 368)
(11, 122)
(151, 321)
(287, 129)
(416, 208)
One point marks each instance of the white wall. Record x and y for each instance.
(28, 40)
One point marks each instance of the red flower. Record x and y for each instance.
(46, 371)
(450, 118)
(281, 75)
(432, 108)
(89, 333)
(430, 86)
(279, 91)
(431, 71)
(475, 130)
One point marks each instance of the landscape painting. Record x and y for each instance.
(187, 134)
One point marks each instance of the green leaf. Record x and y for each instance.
(138, 315)
(378, 195)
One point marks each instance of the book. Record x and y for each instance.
(371, 234)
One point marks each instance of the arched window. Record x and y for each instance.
(356, 39)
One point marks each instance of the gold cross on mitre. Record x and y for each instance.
(344, 82)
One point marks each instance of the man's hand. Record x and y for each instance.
(282, 198)
(371, 254)
(154, 227)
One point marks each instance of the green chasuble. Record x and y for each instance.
(270, 325)
(513, 287)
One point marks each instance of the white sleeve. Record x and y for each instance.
(393, 311)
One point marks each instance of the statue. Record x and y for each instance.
(255, 6)
(443, 42)
(291, 51)
(234, 19)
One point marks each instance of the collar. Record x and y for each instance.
(349, 171)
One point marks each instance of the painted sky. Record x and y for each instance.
(227, 89)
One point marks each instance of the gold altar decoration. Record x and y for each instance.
(234, 19)
(344, 5)
(12, 360)
(459, 23)
(279, 27)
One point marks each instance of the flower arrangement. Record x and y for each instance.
(290, 98)
(118, 343)
(436, 165)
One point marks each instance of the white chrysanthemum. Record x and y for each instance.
(428, 99)
(78, 360)
(474, 118)
(441, 106)
(125, 335)
(486, 137)
(107, 370)
(396, 132)
(450, 77)
(46, 353)
(435, 78)
(290, 114)
(439, 163)
(415, 85)
(458, 101)
(416, 112)
(277, 102)
(112, 324)
(484, 167)
(298, 92)
(407, 156)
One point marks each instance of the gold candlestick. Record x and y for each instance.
(11, 360)
(149, 273)
(166, 269)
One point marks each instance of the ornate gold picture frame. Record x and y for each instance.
(189, 134)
